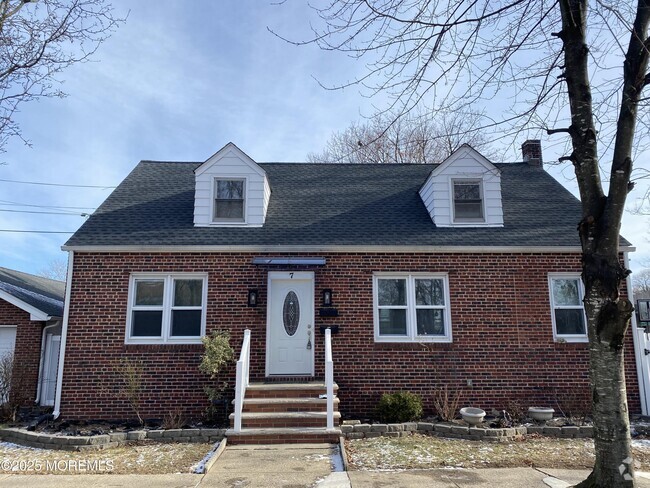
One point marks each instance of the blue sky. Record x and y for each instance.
(176, 82)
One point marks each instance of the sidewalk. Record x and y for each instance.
(310, 465)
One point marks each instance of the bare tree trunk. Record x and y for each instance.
(608, 318)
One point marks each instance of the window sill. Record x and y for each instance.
(567, 340)
(408, 340)
(469, 224)
(135, 342)
(228, 224)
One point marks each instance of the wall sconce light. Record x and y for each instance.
(327, 298)
(252, 298)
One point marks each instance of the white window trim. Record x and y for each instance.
(213, 196)
(168, 300)
(470, 222)
(411, 320)
(566, 337)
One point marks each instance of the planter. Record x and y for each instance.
(471, 415)
(541, 414)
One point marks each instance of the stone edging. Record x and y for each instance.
(106, 441)
(366, 431)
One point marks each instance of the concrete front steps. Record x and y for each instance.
(285, 413)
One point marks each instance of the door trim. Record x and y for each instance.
(287, 275)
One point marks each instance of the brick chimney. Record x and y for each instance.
(531, 151)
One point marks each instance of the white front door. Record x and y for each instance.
(50, 369)
(290, 324)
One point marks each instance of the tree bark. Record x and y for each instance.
(608, 318)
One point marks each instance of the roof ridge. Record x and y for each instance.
(169, 162)
(2, 268)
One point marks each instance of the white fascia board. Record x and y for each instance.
(230, 148)
(35, 314)
(335, 249)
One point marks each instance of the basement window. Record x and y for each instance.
(567, 308)
(166, 308)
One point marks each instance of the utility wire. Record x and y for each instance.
(47, 213)
(56, 184)
(36, 231)
(16, 204)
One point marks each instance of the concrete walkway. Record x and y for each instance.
(314, 466)
(271, 466)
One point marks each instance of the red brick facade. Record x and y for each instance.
(501, 325)
(28, 346)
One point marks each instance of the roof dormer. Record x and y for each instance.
(464, 191)
(231, 190)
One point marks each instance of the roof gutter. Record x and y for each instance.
(64, 337)
(333, 249)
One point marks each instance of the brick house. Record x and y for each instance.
(464, 274)
(31, 309)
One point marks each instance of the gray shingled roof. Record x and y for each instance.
(329, 204)
(41, 293)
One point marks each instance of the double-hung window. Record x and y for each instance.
(166, 308)
(412, 307)
(229, 200)
(468, 200)
(567, 308)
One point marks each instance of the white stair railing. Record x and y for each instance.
(329, 379)
(241, 383)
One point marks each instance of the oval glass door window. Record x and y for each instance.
(291, 313)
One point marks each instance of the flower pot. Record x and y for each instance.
(541, 414)
(471, 415)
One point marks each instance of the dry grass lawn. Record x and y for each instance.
(144, 458)
(422, 452)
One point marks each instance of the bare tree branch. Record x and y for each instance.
(40, 39)
(413, 138)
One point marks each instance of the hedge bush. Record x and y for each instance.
(397, 407)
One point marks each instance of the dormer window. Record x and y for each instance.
(468, 201)
(464, 191)
(229, 200)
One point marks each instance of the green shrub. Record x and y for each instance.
(217, 353)
(402, 406)
(217, 356)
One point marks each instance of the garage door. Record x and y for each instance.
(7, 339)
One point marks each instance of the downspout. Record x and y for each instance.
(42, 361)
(64, 337)
(641, 369)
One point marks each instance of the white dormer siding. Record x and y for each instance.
(231, 164)
(465, 166)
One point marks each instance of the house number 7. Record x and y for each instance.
(291, 275)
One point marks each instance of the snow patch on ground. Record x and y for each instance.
(11, 445)
(336, 460)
